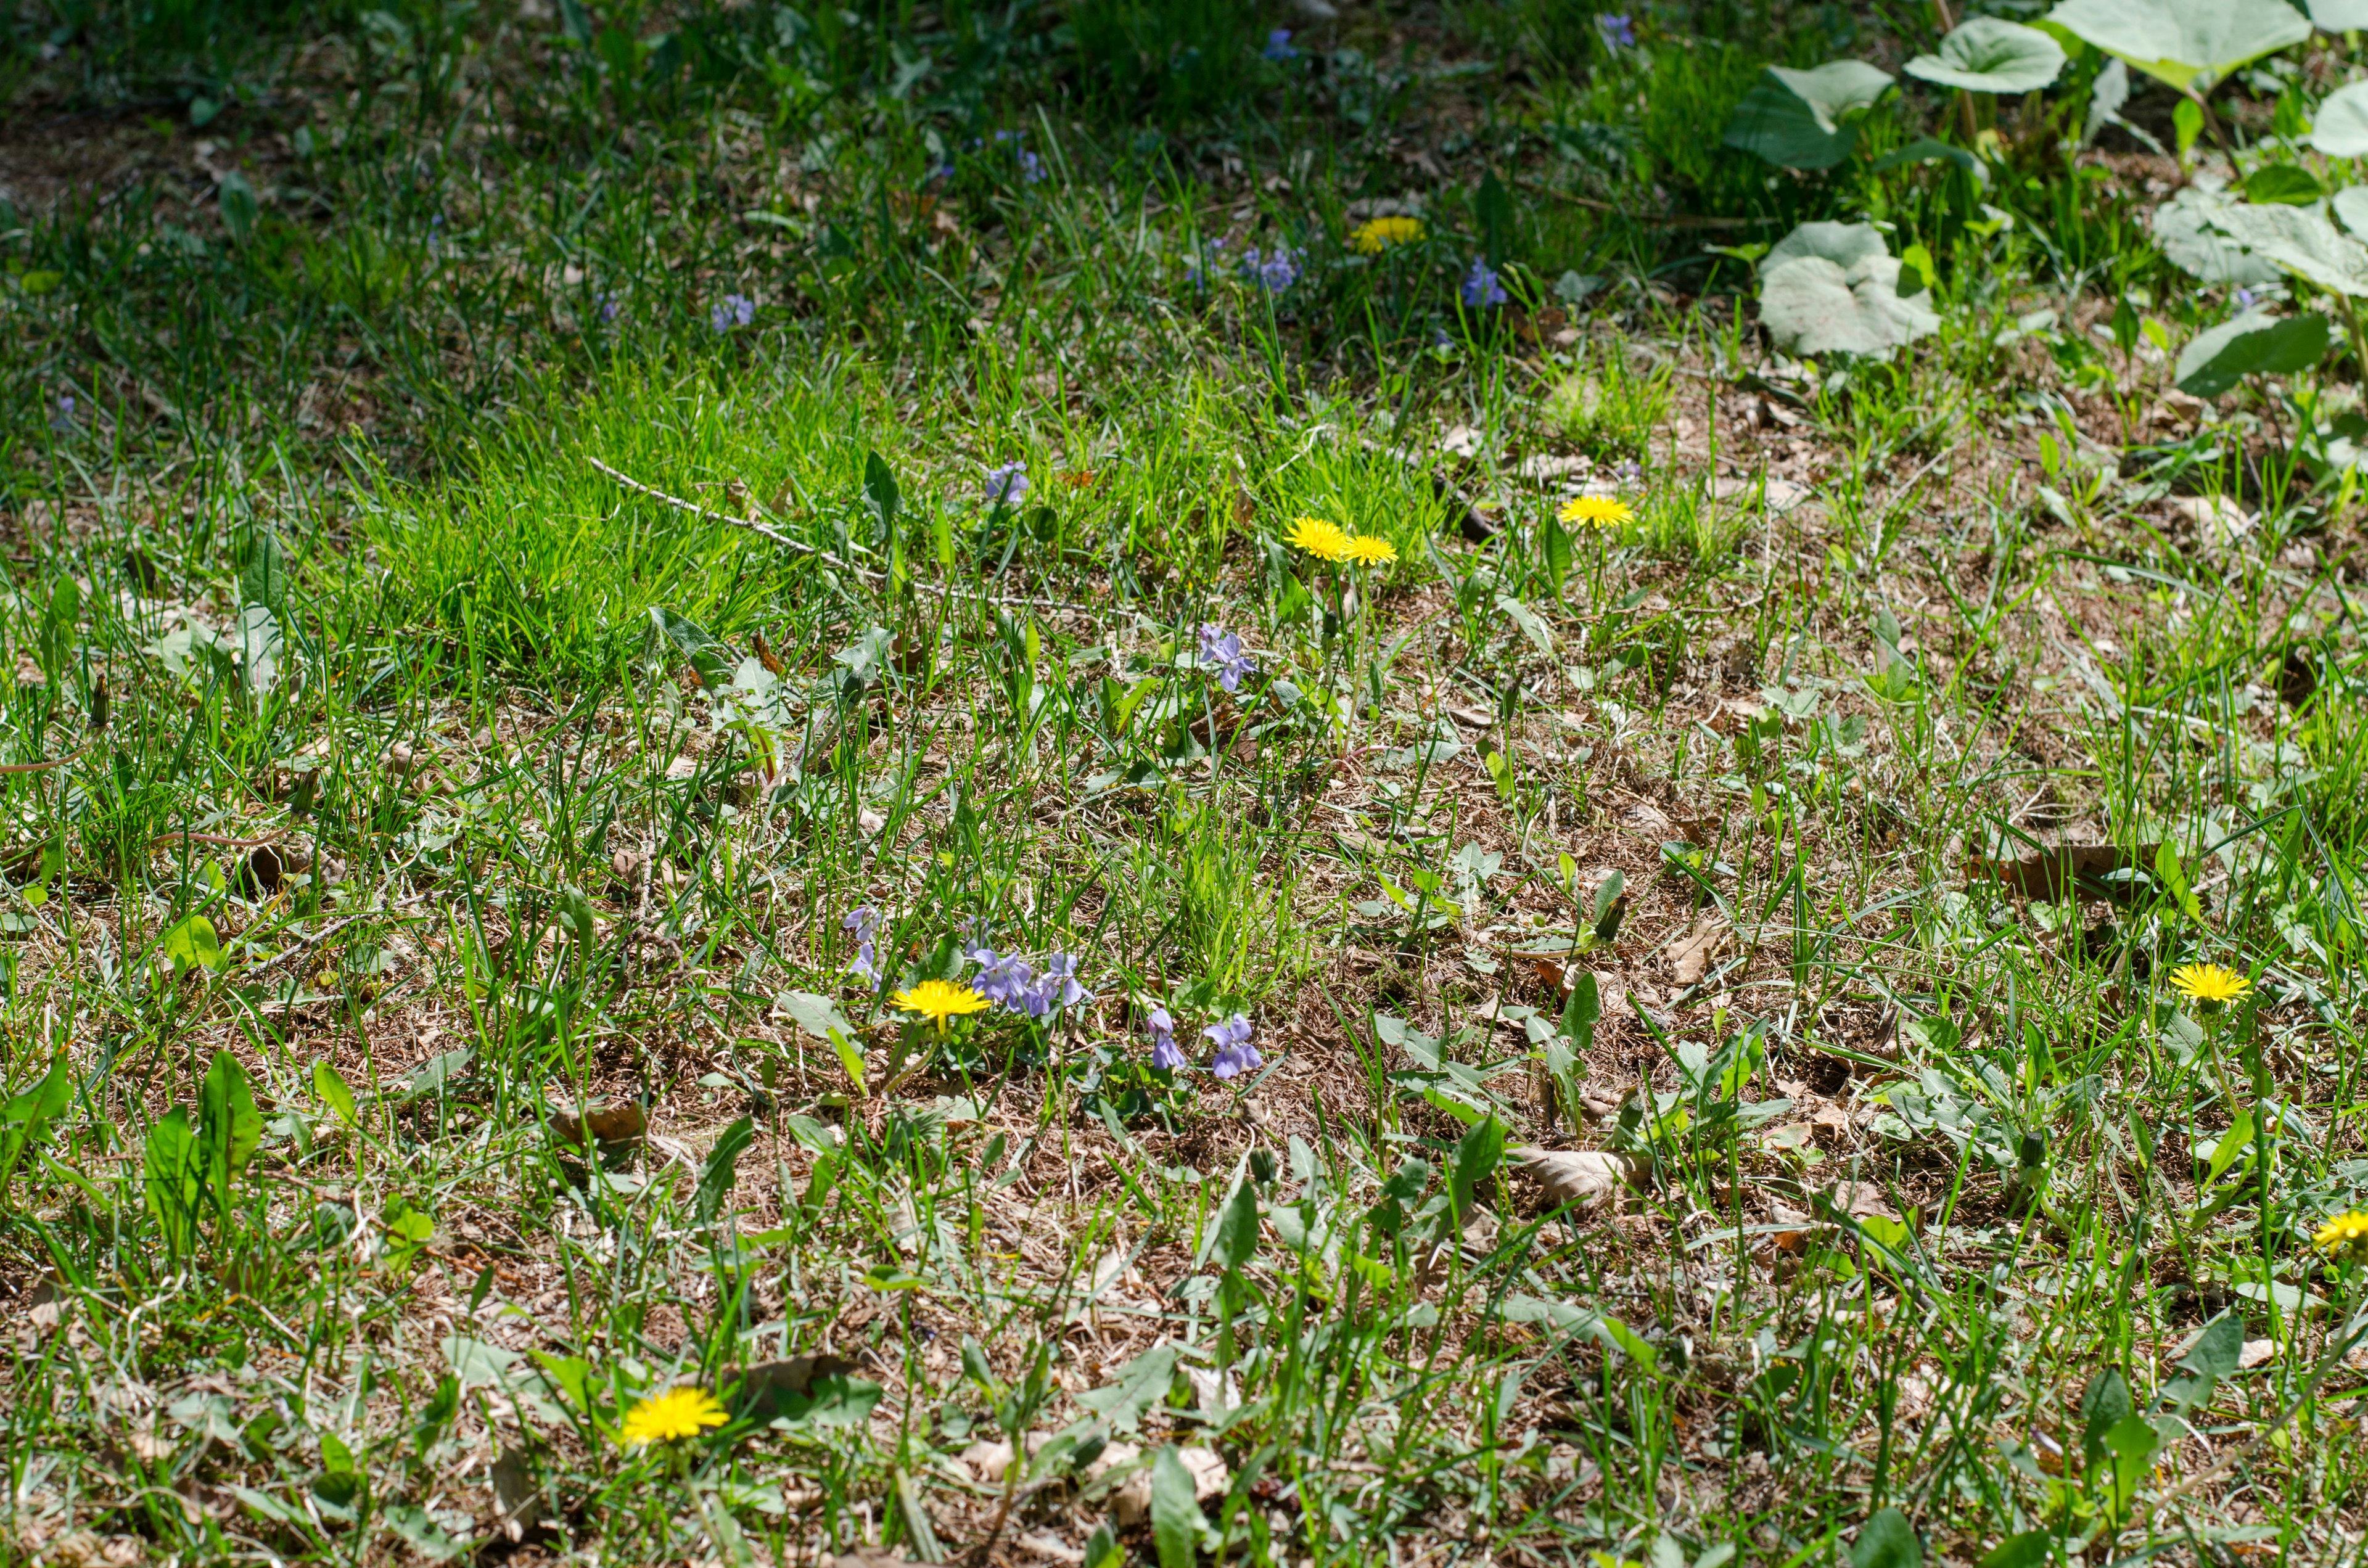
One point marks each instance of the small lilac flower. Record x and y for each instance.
(1628, 474)
(2242, 299)
(1008, 980)
(1275, 271)
(863, 923)
(1057, 987)
(1165, 1053)
(1278, 46)
(1221, 651)
(1008, 485)
(732, 310)
(1193, 264)
(1032, 167)
(610, 307)
(1235, 1054)
(1616, 29)
(1480, 286)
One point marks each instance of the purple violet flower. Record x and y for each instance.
(1165, 1053)
(732, 310)
(1057, 987)
(2243, 299)
(1278, 46)
(1008, 485)
(864, 922)
(1275, 271)
(1480, 286)
(1221, 651)
(610, 307)
(1616, 28)
(1235, 1054)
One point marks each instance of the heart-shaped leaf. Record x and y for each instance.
(2339, 128)
(1986, 54)
(1804, 120)
(2186, 228)
(2255, 343)
(2283, 184)
(2188, 43)
(2299, 240)
(1834, 288)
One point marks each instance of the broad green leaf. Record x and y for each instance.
(1237, 1228)
(2218, 1349)
(1986, 54)
(2103, 1403)
(2233, 1145)
(1887, 1540)
(2188, 229)
(192, 944)
(2031, 1549)
(1834, 288)
(716, 1176)
(263, 579)
(818, 1015)
(229, 1127)
(2254, 343)
(416, 1525)
(2340, 15)
(1581, 1012)
(174, 1173)
(1926, 150)
(2286, 184)
(1626, 1340)
(1176, 1521)
(1142, 1383)
(1802, 119)
(2167, 868)
(1533, 625)
(2350, 206)
(2188, 44)
(330, 1086)
(1477, 1155)
(25, 1119)
(2339, 127)
(2301, 241)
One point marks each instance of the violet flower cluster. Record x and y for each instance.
(1235, 1053)
(1012, 983)
(732, 310)
(1274, 271)
(1221, 651)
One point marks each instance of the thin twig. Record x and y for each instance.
(828, 559)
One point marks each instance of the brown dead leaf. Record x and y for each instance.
(1131, 1504)
(609, 1125)
(1580, 1176)
(2046, 874)
(1689, 956)
(1860, 1201)
(1245, 504)
(767, 658)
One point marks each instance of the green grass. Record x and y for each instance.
(426, 957)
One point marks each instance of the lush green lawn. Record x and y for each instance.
(562, 559)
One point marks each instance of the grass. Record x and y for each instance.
(477, 701)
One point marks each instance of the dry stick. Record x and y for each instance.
(801, 547)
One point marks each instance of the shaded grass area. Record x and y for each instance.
(1719, 1076)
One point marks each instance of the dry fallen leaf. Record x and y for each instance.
(622, 1122)
(1580, 1176)
(2045, 874)
(1861, 1200)
(1689, 956)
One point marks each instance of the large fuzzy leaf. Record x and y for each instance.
(2340, 15)
(1986, 54)
(2186, 228)
(2255, 343)
(1834, 288)
(2339, 128)
(2299, 240)
(1805, 119)
(2188, 43)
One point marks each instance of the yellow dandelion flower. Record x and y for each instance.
(2208, 983)
(1373, 237)
(2346, 1235)
(1596, 511)
(1323, 540)
(942, 1000)
(1367, 551)
(677, 1412)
